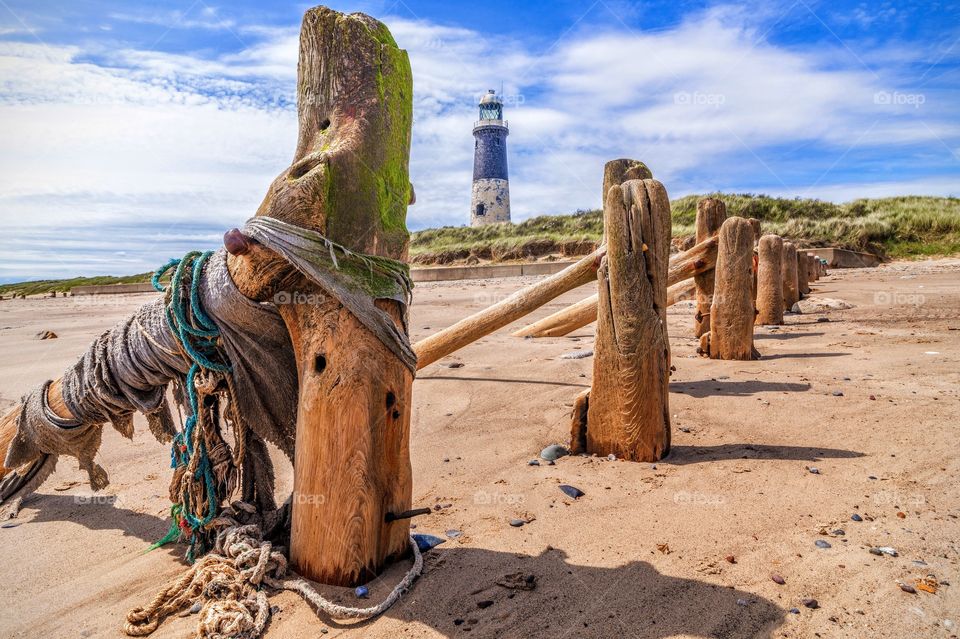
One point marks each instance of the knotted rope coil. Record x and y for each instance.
(228, 583)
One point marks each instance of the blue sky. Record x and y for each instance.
(131, 132)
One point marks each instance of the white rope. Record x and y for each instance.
(228, 582)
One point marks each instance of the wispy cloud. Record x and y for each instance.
(115, 158)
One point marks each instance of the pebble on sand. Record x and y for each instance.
(516, 523)
(908, 588)
(813, 604)
(820, 543)
(533, 462)
(554, 452)
(856, 517)
(426, 542)
(571, 491)
(777, 579)
(362, 592)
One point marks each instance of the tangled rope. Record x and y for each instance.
(205, 471)
(228, 583)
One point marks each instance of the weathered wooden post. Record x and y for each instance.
(711, 213)
(626, 412)
(349, 181)
(788, 273)
(803, 282)
(732, 313)
(769, 280)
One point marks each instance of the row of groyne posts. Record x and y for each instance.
(739, 278)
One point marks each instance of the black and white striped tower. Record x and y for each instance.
(490, 203)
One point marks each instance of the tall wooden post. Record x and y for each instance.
(711, 213)
(349, 181)
(626, 412)
(732, 313)
(788, 275)
(769, 280)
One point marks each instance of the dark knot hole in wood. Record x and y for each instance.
(319, 363)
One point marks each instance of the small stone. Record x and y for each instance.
(571, 491)
(743, 602)
(577, 355)
(554, 452)
(902, 515)
(838, 393)
(516, 523)
(455, 365)
(10, 524)
(46, 335)
(856, 517)
(731, 559)
(889, 551)
(533, 462)
(195, 608)
(777, 579)
(684, 429)
(611, 457)
(453, 533)
(821, 320)
(362, 592)
(427, 542)
(486, 603)
(820, 543)
(839, 532)
(814, 470)
(908, 588)
(794, 611)
(458, 622)
(813, 604)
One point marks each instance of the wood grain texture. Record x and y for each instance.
(628, 406)
(683, 266)
(349, 181)
(352, 454)
(803, 274)
(788, 275)
(470, 329)
(711, 213)
(769, 281)
(732, 312)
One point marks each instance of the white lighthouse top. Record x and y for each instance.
(491, 97)
(491, 111)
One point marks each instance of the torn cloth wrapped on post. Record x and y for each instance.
(129, 367)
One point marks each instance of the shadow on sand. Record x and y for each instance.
(714, 387)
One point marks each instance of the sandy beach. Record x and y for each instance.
(850, 411)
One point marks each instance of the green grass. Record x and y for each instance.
(897, 227)
(39, 287)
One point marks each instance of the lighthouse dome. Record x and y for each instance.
(490, 97)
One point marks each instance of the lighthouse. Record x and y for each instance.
(490, 203)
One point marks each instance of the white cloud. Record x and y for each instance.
(101, 139)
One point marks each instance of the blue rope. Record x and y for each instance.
(198, 335)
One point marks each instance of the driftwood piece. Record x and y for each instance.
(732, 312)
(520, 303)
(627, 410)
(683, 266)
(711, 213)
(788, 275)
(769, 280)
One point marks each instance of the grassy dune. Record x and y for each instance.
(894, 227)
(39, 287)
